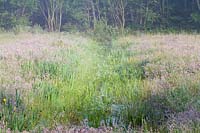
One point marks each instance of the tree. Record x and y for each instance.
(198, 4)
(57, 15)
(52, 11)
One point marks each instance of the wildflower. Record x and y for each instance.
(4, 100)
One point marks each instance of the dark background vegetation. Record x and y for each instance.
(82, 15)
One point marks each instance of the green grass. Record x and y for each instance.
(94, 84)
(88, 86)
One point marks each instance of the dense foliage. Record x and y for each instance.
(57, 15)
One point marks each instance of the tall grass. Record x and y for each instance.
(106, 87)
(88, 85)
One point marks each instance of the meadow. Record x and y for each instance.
(72, 82)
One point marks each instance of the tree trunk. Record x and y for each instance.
(122, 16)
(52, 12)
(93, 14)
(198, 4)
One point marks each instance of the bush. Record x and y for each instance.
(20, 29)
(36, 29)
(68, 27)
(11, 22)
(104, 33)
(195, 17)
(7, 20)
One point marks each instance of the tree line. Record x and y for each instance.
(59, 15)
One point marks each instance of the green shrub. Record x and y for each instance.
(104, 33)
(36, 29)
(7, 20)
(68, 27)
